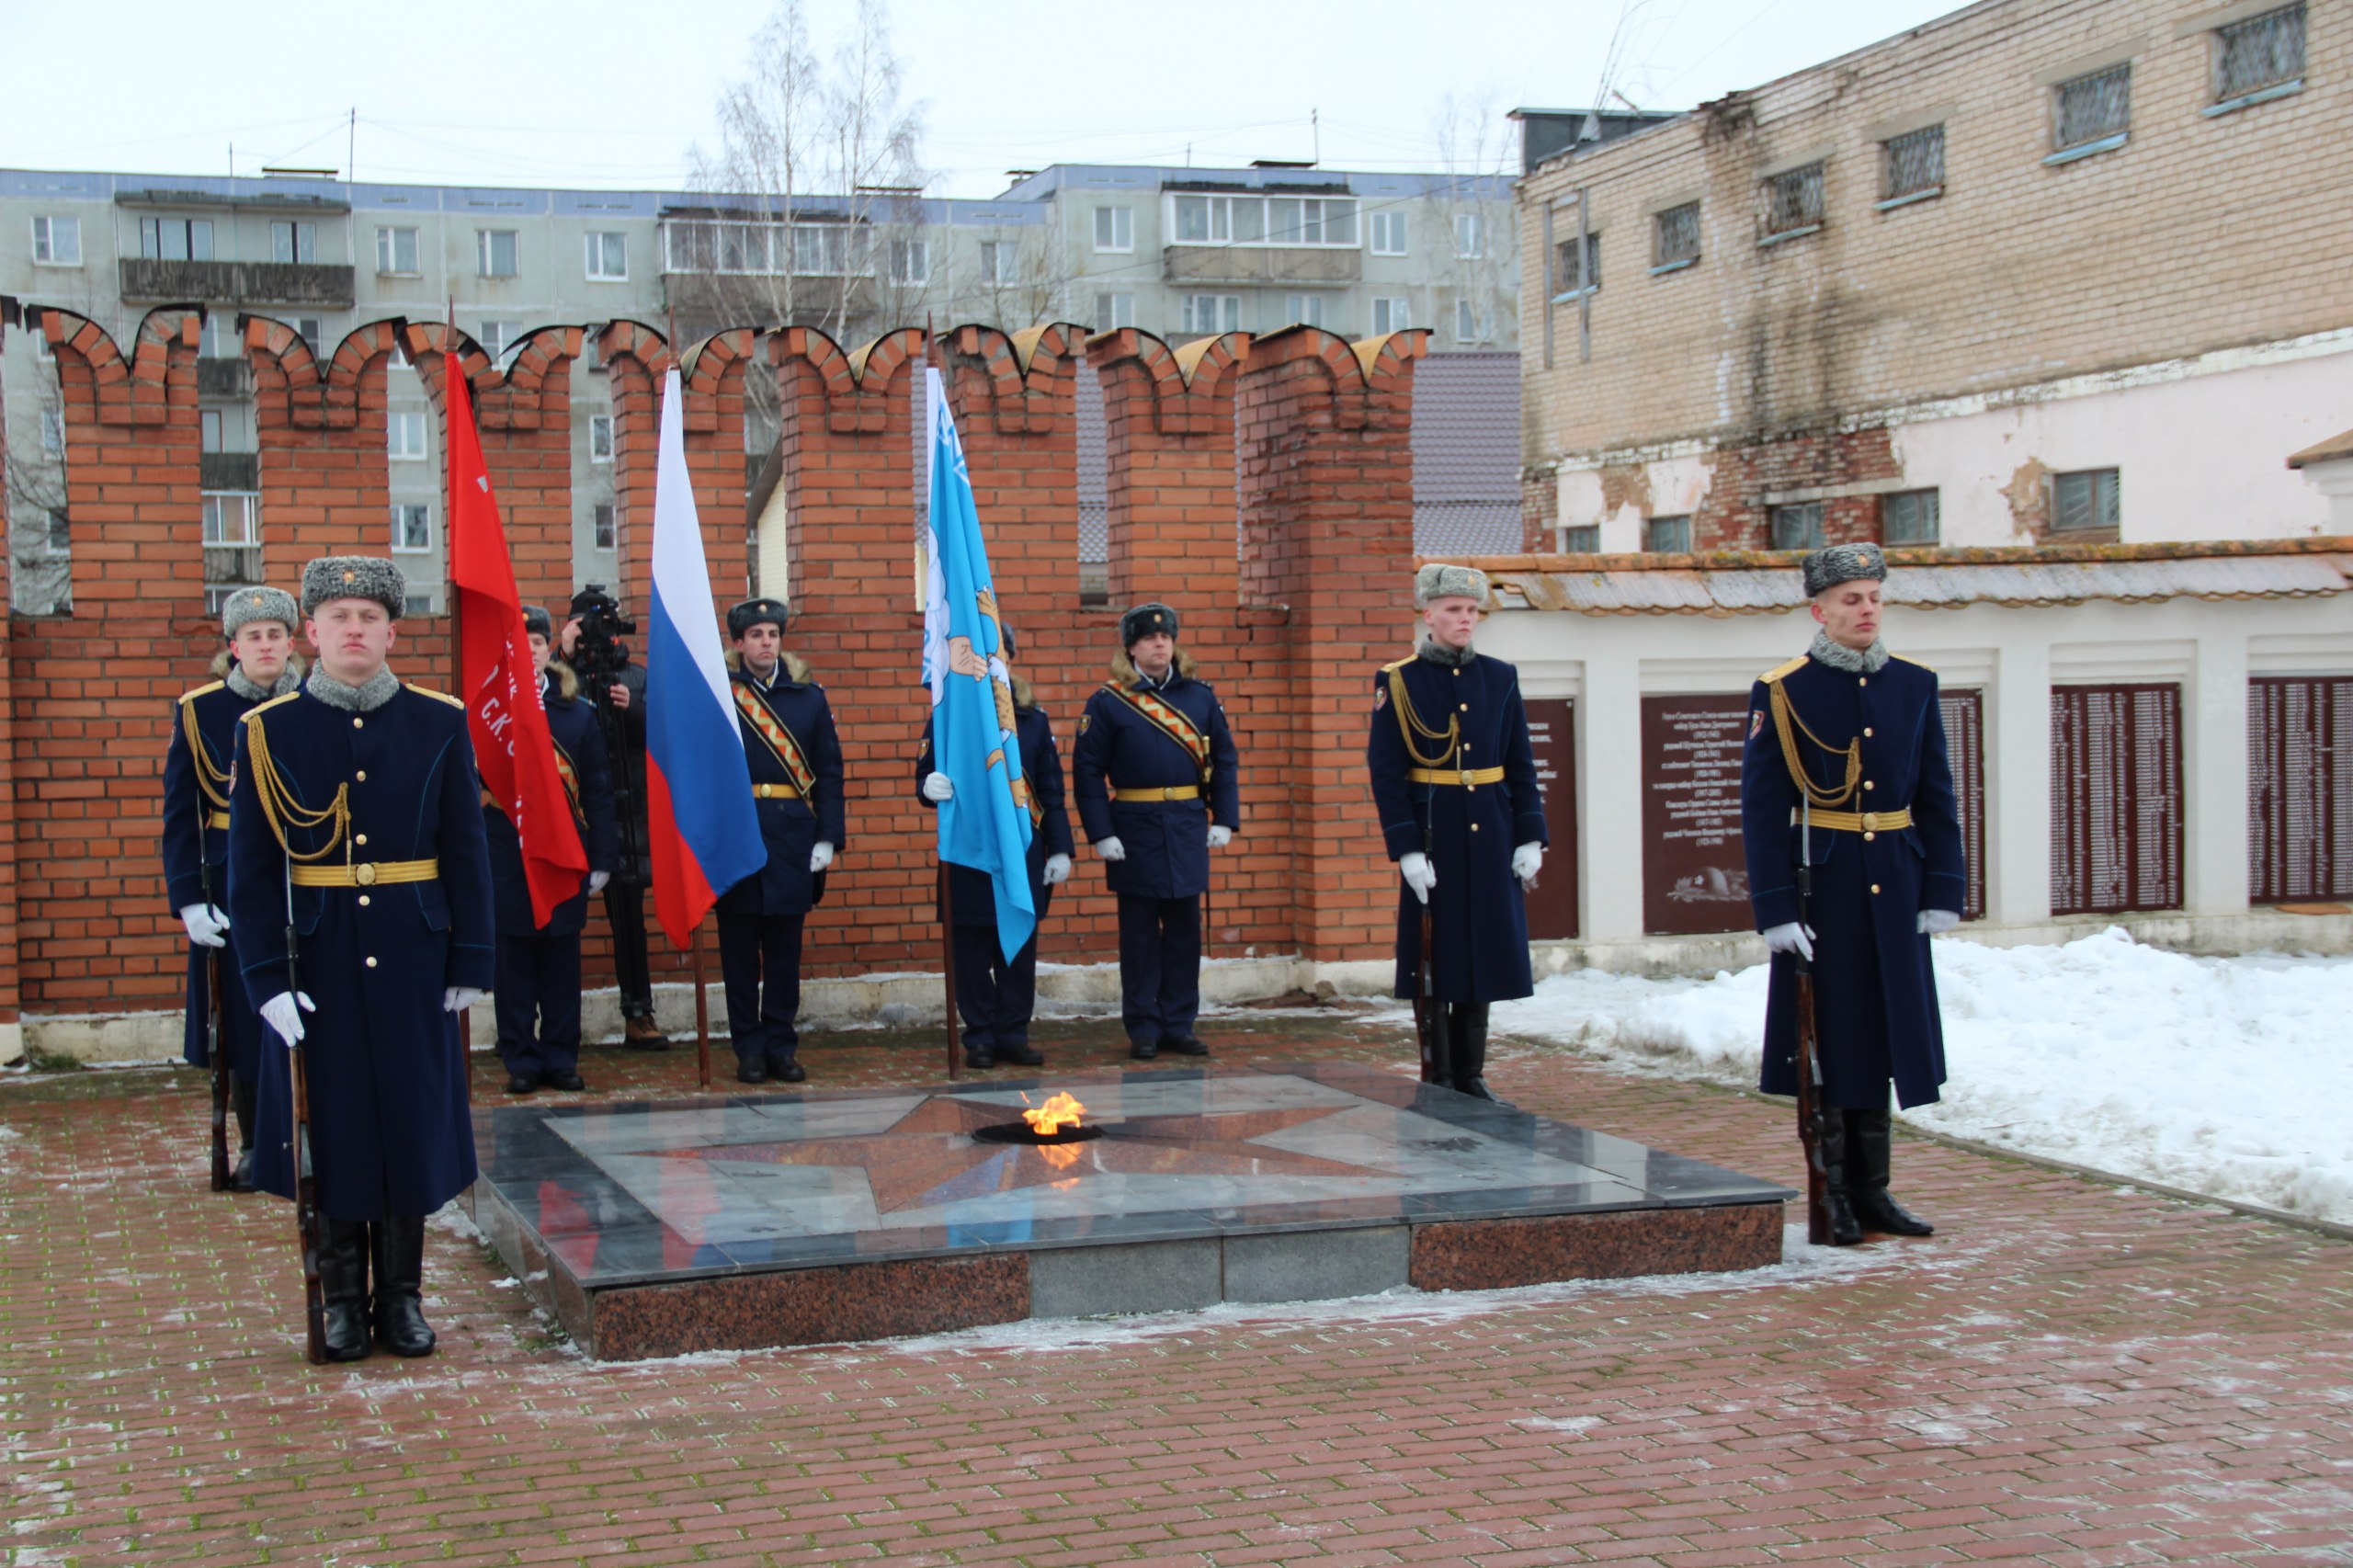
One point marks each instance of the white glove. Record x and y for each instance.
(458, 998)
(1936, 922)
(1790, 939)
(1219, 835)
(1057, 869)
(939, 787)
(819, 858)
(1526, 860)
(205, 923)
(596, 880)
(1112, 849)
(280, 1014)
(1419, 874)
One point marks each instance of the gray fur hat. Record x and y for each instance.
(1144, 620)
(354, 577)
(253, 604)
(757, 612)
(1836, 564)
(1439, 581)
(536, 621)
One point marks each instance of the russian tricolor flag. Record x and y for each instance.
(702, 825)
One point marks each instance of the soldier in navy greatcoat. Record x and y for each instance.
(1846, 770)
(538, 986)
(1158, 787)
(359, 886)
(1454, 780)
(258, 664)
(796, 762)
(996, 995)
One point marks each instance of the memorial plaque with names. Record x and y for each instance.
(1553, 902)
(1695, 874)
(2116, 798)
(2300, 788)
(1964, 712)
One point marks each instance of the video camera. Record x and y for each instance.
(598, 654)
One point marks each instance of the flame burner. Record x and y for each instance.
(1021, 1133)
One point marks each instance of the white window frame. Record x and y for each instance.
(52, 430)
(599, 244)
(1304, 309)
(388, 251)
(1222, 221)
(1386, 232)
(58, 521)
(1470, 236)
(46, 233)
(604, 527)
(1472, 323)
(151, 229)
(1226, 308)
(1391, 313)
(600, 437)
(299, 235)
(496, 347)
(910, 261)
(217, 521)
(1115, 230)
(995, 256)
(1114, 311)
(312, 330)
(400, 423)
(218, 339)
(486, 252)
(402, 514)
(211, 430)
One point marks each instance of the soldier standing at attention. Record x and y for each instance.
(538, 989)
(796, 763)
(1158, 787)
(258, 664)
(1454, 778)
(1846, 759)
(994, 996)
(357, 864)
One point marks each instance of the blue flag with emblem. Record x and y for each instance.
(985, 823)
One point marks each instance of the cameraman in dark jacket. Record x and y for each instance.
(591, 645)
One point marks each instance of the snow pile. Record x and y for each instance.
(2231, 1077)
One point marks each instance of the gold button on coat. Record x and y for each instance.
(1874, 888)
(362, 775)
(362, 838)
(363, 897)
(371, 958)
(1866, 735)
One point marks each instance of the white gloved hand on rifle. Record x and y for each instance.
(1526, 860)
(1419, 874)
(1057, 869)
(1790, 939)
(819, 858)
(939, 787)
(1936, 922)
(1110, 849)
(1219, 835)
(205, 923)
(458, 998)
(284, 1013)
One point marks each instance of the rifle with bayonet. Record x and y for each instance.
(215, 1057)
(1811, 1110)
(306, 1181)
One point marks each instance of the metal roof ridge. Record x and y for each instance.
(1901, 556)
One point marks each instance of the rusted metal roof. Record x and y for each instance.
(1766, 581)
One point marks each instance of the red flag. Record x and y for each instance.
(504, 707)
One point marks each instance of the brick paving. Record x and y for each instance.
(2071, 1373)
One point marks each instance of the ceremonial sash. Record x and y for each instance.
(1170, 721)
(780, 740)
(571, 778)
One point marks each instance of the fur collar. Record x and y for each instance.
(1123, 669)
(379, 689)
(567, 681)
(1023, 696)
(1839, 657)
(1437, 653)
(232, 675)
(795, 667)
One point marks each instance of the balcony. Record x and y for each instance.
(1261, 265)
(148, 281)
(217, 377)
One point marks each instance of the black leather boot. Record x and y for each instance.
(400, 1286)
(343, 1282)
(1871, 1138)
(241, 1100)
(1468, 1027)
(1830, 1143)
(1439, 1073)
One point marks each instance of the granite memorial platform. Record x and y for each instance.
(657, 1228)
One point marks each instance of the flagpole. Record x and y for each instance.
(947, 887)
(456, 642)
(703, 1011)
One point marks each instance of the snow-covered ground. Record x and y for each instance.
(2231, 1077)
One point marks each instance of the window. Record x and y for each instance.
(498, 336)
(1115, 228)
(405, 432)
(60, 532)
(1795, 526)
(2260, 52)
(1664, 536)
(1213, 313)
(2094, 110)
(600, 437)
(231, 519)
(1113, 312)
(608, 258)
(496, 252)
(1910, 516)
(1391, 315)
(1387, 233)
(996, 261)
(1911, 164)
(207, 425)
(1674, 237)
(396, 253)
(603, 534)
(1571, 277)
(1307, 309)
(57, 242)
(292, 242)
(1473, 322)
(1581, 539)
(762, 249)
(310, 330)
(2086, 501)
(218, 338)
(176, 239)
(1263, 221)
(412, 527)
(1793, 201)
(52, 431)
(910, 261)
(820, 249)
(421, 604)
(1470, 236)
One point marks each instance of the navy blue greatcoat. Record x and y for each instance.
(571, 724)
(1478, 910)
(790, 829)
(390, 1131)
(1166, 841)
(1875, 990)
(1041, 767)
(195, 857)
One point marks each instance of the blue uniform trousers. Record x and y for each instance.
(1160, 967)
(994, 995)
(760, 957)
(538, 993)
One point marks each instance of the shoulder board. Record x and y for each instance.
(1778, 671)
(1930, 668)
(1399, 664)
(201, 690)
(258, 709)
(436, 695)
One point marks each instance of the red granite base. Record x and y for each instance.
(802, 1306)
(1491, 1255)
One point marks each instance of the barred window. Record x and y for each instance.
(2259, 52)
(1665, 536)
(1797, 526)
(1793, 200)
(1911, 517)
(2094, 107)
(1568, 276)
(603, 535)
(1674, 237)
(2087, 501)
(1912, 163)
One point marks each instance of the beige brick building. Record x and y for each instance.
(2065, 269)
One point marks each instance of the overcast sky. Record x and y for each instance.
(601, 93)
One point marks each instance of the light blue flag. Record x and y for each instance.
(986, 824)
